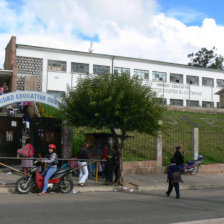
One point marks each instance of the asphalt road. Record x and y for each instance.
(112, 207)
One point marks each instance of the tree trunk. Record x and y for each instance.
(120, 157)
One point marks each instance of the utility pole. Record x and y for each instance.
(189, 102)
(90, 50)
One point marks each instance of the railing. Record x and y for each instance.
(97, 163)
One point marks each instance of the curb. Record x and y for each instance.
(11, 189)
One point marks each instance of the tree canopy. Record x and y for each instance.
(206, 59)
(113, 101)
(116, 102)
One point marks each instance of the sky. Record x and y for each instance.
(163, 30)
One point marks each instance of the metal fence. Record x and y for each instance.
(140, 146)
(210, 145)
(173, 138)
(137, 146)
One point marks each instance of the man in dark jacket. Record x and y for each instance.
(178, 157)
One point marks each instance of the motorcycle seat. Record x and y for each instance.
(190, 161)
(62, 170)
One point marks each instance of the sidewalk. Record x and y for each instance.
(132, 182)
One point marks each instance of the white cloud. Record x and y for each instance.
(124, 27)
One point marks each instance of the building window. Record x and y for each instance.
(57, 66)
(193, 103)
(207, 81)
(101, 69)
(175, 102)
(80, 68)
(220, 82)
(144, 74)
(218, 105)
(119, 70)
(56, 93)
(207, 104)
(192, 80)
(176, 78)
(159, 76)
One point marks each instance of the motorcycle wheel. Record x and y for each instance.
(194, 171)
(22, 187)
(66, 185)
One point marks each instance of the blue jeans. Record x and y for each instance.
(47, 175)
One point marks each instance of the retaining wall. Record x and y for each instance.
(152, 167)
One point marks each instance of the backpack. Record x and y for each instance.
(25, 151)
(176, 178)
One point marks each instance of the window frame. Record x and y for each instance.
(203, 78)
(106, 66)
(159, 78)
(222, 82)
(143, 71)
(177, 74)
(78, 63)
(62, 64)
(171, 100)
(123, 70)
(192, 102)
(190, 82)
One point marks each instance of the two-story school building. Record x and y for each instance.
(55, 70)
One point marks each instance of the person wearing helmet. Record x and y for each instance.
(52, 162)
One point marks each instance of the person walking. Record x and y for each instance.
(52, 162)
(173, 178)
(82, 163)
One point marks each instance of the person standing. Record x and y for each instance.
(173, 178)
(107, 155)
(116, 163)
(82, 163)
(52, 162)
(4, 88)
(178, 156)
(26, 164)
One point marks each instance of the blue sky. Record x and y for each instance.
(192, 12)
(165, 30)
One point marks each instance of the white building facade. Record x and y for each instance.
(181, 85)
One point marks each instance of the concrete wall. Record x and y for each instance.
(29, 67)
(150, 167)
(141, 167)
(212, 169)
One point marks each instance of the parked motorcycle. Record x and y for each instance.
(192, 166)
(61, 180)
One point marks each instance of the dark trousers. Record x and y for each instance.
(109, 171)
(175, 185)
(116, 169)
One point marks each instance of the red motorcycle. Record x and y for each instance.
(60, 180)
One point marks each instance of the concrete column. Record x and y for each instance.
(195, 143)
(223, 145)
(158, 151)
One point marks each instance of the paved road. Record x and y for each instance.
(112, 207)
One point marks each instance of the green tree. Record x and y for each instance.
(115, 102)
(206, 58)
